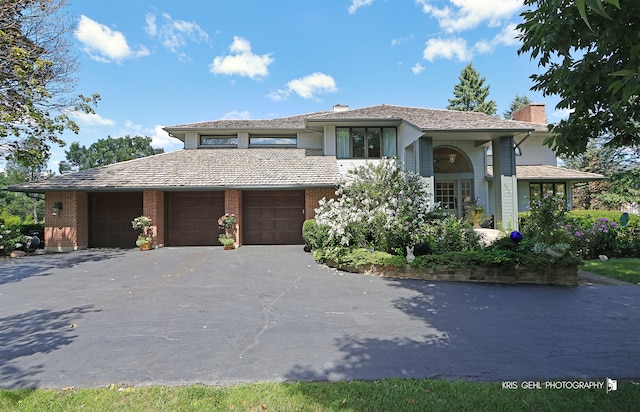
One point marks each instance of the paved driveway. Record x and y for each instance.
(203, 315)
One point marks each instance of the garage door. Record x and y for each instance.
(110, 216)
(192, 218)
(272, 217)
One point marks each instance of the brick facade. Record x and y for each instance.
(313, 195)
(68, 229)
(153, 207)
(233, 204)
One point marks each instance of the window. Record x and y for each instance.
(231, 140)
(365, 142)
(273, 140)
(539, 189)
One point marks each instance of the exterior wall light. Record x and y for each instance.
(57, 207)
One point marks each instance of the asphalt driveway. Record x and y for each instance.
(176, 316)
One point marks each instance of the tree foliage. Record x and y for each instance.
(470, 95)
(591, 52)
(107, 151)
(518, 102)
(35, 76)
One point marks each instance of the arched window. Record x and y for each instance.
(450, 160)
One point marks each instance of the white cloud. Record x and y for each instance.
(159, 138)
(467, 14)
(307, 87)
(174, 34)
(92, 119)
(237, 115)
(356, 4)
(400, 40)
(105, 45)
(242, 61)
(452, 48)
(417, 68)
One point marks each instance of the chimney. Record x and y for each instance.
(531, 113)
(340, 108)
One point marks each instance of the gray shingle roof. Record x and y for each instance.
(202, 169)
(425, 119)
(547, 172)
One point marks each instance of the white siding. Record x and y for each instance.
(345, 164)
(310, 141)
(329, 140)
(534, 152)
(191, 140)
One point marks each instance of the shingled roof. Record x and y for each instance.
(204, 169)
(425, 119)
(550, 173)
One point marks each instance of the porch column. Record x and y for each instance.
(66, 221)
(424, 148)
(505, 183)
(153, 207)
(233, 204)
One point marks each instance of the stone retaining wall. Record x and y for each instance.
(557, 275)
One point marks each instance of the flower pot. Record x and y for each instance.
(145, 246)
(229, 247)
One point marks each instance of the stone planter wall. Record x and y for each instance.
(557, 275)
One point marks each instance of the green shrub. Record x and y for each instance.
(8, 239)
(448, 234)
(358, 257)
(314, 236)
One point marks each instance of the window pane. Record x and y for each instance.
(546, 188)
(273, 140)
(373, 142)
(534, 190)
(389, 142)
(357, 140)
(342, 142)
(218, 140)
(560, 189)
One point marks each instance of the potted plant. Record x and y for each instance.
(475, 213)
(143, 224)
(227, 222)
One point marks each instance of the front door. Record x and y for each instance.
(454, 195)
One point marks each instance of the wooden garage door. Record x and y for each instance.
(272, 217)
(192, 218)
(110, 216)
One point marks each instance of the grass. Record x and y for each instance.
(384, 395)
(626, 269)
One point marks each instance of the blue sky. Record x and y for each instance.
(160, 63)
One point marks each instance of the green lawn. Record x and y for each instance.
(627, 269)
(385, 395)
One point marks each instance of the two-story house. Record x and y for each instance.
(272, 173)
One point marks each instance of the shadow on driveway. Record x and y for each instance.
(36, 331)
(16, 269)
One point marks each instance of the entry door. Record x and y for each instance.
(454, 195)
(446, 196)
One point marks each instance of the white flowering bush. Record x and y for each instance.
(380, 206)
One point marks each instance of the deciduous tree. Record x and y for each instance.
(107, 151)
(591, 52)
(36, 82)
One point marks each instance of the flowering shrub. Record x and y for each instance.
(379, 206)
(8, 239)
(603, 237)
(446, 234)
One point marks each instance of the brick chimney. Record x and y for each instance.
(340, 108)
(531, 113)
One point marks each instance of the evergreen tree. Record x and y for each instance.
(470, 94)
(517, 103)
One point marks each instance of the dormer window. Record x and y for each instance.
(365, 142)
